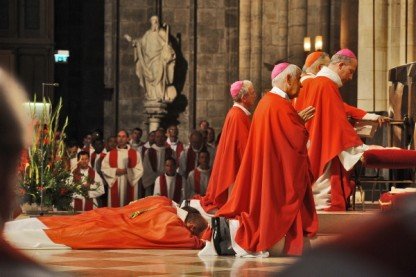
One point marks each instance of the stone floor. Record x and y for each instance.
(155, 262)
(186, 262)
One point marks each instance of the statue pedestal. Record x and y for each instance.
(155, 111)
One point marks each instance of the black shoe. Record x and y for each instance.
(221, 236)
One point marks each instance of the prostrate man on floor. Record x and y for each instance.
(153, 222)
(122, 168)
(272, 201)
(231, 146)
(334, 145)
(89, 178)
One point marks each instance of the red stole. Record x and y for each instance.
(89, 204)
(164, 187)
(179, 149)
(93, 158)
(197, 181)
(113, 161)
(153, 157)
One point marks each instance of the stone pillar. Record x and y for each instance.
(256, 44)
(401, 32)
(318, 21)
(250, 49)
(155, 112)
(110, 26)
(372, 55)
(334, 26)
(245, 39)
(297, 31)
(282, 26)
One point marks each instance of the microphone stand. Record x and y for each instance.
(42, 138)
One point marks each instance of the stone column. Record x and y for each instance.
(245, 39)
(297, 31)
(256, 65)
(372, 55)
(250, 49)
(401, 33)
(282, 26)
(155, 112)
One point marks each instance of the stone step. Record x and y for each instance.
(333, 223)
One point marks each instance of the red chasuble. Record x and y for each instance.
(299, 102)
(272, 196)
(227, 161)
(330, 134)
(156, 225)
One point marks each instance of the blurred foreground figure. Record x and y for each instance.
(386, 246)
(12, 142)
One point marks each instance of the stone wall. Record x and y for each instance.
(202, 80)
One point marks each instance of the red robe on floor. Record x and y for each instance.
(330, 133)
(272, 196)
(157, 226)
(230, 152)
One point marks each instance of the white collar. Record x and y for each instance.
(238, 105)
(203, 170)
(279, 92)
(154, 146)
(147, 144)
(172, 142)
(181, 213)
(128, 147)
(170, 177)
(307, 76)
(330, 74)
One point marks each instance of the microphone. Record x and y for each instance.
(51, 84)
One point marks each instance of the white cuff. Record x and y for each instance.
(371, 117)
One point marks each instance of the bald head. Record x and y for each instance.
(315, 61)
(288, 80)
(344, 65)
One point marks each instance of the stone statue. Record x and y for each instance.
(155, 62)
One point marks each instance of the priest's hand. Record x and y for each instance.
(383, 119)
(307, 113)
(121, 171)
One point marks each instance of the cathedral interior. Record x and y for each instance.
(82, 51)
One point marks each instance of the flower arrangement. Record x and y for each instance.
(44, 174)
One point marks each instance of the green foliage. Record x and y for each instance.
(45, 167)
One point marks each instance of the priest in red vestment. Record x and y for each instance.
(334, 146)
(231, 146)
(272, 197)
(313, 64)
(152, 222)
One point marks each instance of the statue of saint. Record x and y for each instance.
(155, 62)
